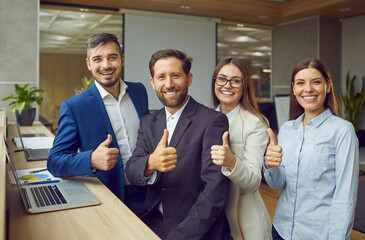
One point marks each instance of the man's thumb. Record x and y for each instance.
(272, 140)
(225, 138)
(107, 141)
(163, 141)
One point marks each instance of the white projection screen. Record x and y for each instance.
(144, 35)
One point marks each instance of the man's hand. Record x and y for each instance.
(104, 158)
(163, 159)
(273, 151)
(222, 154)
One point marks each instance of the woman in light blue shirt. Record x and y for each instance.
(315, 162)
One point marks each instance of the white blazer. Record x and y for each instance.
(245, 210)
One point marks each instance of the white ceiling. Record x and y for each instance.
(67, 32)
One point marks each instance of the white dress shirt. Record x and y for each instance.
(171, 122)
(124, 120)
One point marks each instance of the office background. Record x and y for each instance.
(337, 42)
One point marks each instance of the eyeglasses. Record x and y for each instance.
(221, 81)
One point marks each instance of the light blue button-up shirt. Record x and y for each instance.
(319, 178)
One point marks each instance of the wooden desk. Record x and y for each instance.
(2, 177)
(110, 220)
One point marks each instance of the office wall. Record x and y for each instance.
(19, 45)
(59, 75)
(315, 37)
(353, 51)
(145, 35)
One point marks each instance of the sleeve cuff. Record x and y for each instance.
(152, 178)
(226, 171)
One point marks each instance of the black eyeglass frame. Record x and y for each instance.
(227, 80)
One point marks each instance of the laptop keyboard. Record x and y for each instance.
(47, 195)
(38, 153)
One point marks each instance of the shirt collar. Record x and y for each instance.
(315, 121)
(178, 113)
(231, 114)
(104, 93)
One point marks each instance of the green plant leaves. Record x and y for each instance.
(353, 102)
(24, 97)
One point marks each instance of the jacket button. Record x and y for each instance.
(140, 182)
(163, 189)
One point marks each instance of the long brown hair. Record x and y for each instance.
(248, 99)
(330, 102)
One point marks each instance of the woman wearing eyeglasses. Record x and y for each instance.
(315, 162)
(241, 161)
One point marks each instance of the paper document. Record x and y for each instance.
(35, 142)
(26, 176)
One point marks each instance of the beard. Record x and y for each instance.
(110, 81)
(177, 101)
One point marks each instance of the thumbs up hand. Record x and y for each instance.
(163, 159)
(273, 151)
(103, 157)
(222, 154)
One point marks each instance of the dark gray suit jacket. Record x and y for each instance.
(194, 193)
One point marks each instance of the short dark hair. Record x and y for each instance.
(248, 99)
(100, 39)
(330, 102)
(168, 53)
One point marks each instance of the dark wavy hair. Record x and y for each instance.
(330, 102)
(248, 99)
(168, 53)
(99, 39)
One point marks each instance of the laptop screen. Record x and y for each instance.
(19, 133)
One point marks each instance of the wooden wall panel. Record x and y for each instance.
(59, 75)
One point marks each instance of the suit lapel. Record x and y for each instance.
(134, 95)
(183, 122)
(101, 113)
(159, 124)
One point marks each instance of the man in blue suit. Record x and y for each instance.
(97, 129)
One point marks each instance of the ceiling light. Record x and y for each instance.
(222, 45)
(256, 54)
(240, 25)
(84, 10)
(60, 37)
(255, 76)
(234, 52)
(266, 70)
(241, 39)
(263, 48)
(82, 16)
(186, 7)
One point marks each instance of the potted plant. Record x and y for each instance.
(23, 98)
(86, 83)
(354, 103)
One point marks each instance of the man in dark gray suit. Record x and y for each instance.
(186, 191)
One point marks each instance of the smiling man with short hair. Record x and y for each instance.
(102, 123)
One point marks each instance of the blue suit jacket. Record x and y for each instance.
(83, 125)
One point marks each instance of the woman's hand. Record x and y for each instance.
(273, 151)
(222, 154)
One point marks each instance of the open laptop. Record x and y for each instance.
(32, 154)
(46, 197)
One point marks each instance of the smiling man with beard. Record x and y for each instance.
(97, 129)
(186, 191)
